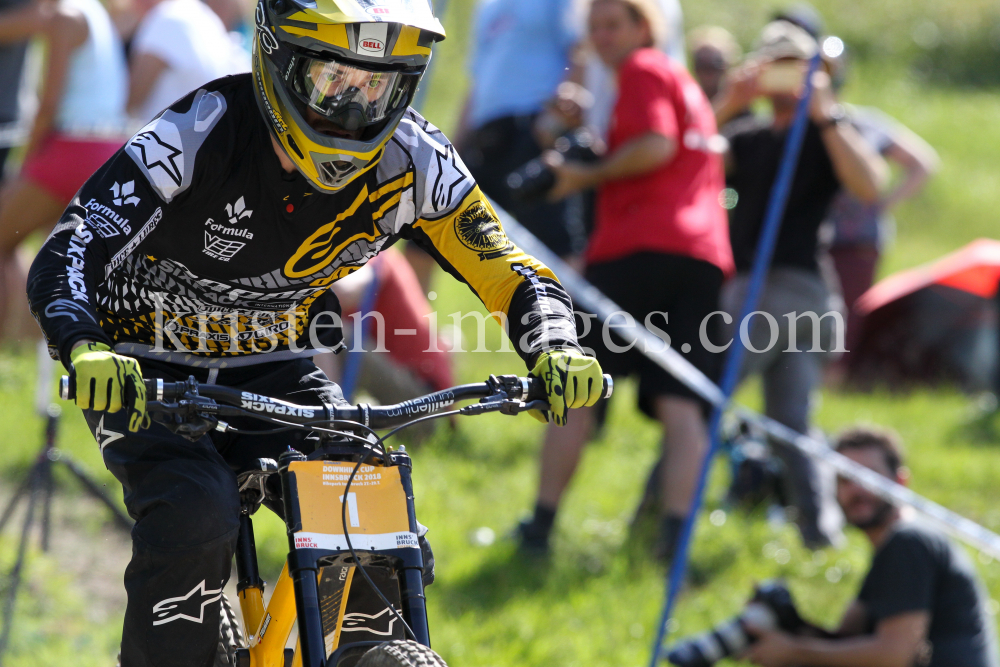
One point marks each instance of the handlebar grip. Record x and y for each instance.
(67, 388)
(536, 388)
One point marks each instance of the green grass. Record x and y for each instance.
(596, 602)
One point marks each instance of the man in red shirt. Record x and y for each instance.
(660, 250)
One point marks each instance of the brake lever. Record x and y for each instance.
(506, 406)
(517, 407)
(190, 417)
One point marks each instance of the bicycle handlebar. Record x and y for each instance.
(234, 402)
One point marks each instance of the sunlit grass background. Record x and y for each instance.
(935, 66)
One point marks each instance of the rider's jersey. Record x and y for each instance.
(192, 245)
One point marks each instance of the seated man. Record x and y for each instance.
(921, 602)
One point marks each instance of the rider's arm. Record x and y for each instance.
(519, 291)
(451, 219)
(93, 235)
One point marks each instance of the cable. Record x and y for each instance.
(417, 421)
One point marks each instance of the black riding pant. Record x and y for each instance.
(183, 497)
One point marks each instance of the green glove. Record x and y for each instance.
(111, 381)
(572, 380)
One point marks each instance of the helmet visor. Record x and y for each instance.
(341, 92)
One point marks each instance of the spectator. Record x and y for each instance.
(860, 231)
(713, 52)
(178, 46)
(13, 125)
(78, 126)
(521, 53)
(659, 248)
(668, 25)
(804, 15)
(833, 157)
(921, 602)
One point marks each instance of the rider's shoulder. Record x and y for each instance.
(166, 149)
(415, 132)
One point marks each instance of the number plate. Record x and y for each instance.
(376, 507)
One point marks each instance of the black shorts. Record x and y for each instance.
(649, 284)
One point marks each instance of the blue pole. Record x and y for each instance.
(731, 372)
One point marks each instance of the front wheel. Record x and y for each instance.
(401, 653)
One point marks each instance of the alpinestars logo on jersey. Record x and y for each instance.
(159, 157)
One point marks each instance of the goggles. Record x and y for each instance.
(351, 96)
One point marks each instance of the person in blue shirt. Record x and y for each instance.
(522, 50)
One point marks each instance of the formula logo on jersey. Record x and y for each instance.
(478, 229)
(123, 194)
(219, 248)
(238, 211)
(104, 219)
(185, 607)
(235, 213)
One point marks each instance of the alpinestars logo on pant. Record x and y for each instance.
(194, 602)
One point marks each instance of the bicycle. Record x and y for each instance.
(344, 620)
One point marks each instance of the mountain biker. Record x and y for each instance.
(206, 247)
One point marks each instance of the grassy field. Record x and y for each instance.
(596, 602)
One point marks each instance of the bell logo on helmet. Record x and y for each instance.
(371, 39)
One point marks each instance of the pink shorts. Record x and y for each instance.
(63, 164)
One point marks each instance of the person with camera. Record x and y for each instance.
(660, 250)
(782, 343)
(921, 602)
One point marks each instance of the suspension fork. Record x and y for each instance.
(411, 581)
(303, 570)
(249, 586)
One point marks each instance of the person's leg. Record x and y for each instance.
(791, 381)
(685, 441)
(185, 502)
(856, 266)
(789, 389)
(24, 208)
(561, 450)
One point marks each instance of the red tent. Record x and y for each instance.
(936, 322)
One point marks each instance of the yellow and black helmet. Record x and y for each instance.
(334, 77)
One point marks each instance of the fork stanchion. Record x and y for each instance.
(731, 371)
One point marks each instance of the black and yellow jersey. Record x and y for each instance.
(192, 245)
